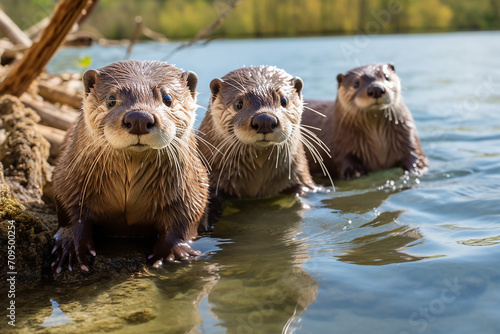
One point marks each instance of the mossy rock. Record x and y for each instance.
(31, 241)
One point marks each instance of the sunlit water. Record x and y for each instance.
(386, 253)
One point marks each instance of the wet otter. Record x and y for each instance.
(368, 127)
(129, 166)
(254, 121)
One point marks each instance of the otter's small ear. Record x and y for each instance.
(298, 84)
(340, 77)
(391, 66)
(215, 87)
(89, 79)
(191, 80)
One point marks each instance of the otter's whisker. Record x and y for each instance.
(272, 150)
(314, 111)
(317, 159)
(228, 154)
(312, 136)
(105, 167)
(310, 127)
(278, 149)
(208, 144)
(178, 169)
(87, 180)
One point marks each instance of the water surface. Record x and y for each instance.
(386, 253)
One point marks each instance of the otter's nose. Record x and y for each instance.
(138, 122)
(264, 123)
(376, 91)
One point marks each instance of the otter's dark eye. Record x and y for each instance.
(387, 77)
(356, 84)
(284, 102)
(238, 104)
(111, 101)
(167, 100)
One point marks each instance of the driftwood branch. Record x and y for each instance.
(12, 31)
(209, 30)
(58, 95)
(135, 36)
(54, 136)
(38, 55)
(10, 51)
(50, 115)
(154, 35)
(35, 30)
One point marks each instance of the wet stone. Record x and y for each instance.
(139, 317)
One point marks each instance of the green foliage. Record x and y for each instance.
(27, 13)
(84, 62)
(180, 19)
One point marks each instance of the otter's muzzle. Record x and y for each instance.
(375, 91)
(264, 123)
(138, 122)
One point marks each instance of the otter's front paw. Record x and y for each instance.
(305, 189)
(351, 173)
(72, 242)
(416, 164)
(168, 248)
(351, 167)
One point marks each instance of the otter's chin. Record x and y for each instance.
(260, 140)
(365, 103)
(139, 148)
(264, 143)
(380, 106)
(140, 144)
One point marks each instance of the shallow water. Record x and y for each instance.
(386, 253)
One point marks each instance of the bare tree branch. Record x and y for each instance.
(209, 30)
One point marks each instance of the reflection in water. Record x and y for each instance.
(383, 239)
(385, 243)
(254, 283)
(455, 207)
(369, 192)
(262, 286)
(57, 317)
(181, 291)
(490, 241)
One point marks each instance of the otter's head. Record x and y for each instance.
(139, 105)
(369, 88)
(259, 106)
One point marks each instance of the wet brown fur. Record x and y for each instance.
(151, 191)
(363, 137)
(241, 168)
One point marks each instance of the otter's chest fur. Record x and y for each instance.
(128, 194)
(258, 174)
(379, 144)
(381, 147)
(124, 191)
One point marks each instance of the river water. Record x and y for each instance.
(386, 253)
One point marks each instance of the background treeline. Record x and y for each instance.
(179, 19)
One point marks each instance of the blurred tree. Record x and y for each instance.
(184, 18)
(474, 15)
(429, 15)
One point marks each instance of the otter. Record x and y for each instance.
(253, 120)
(129, 165)
(368, 127)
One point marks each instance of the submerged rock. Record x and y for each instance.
(140, 316)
